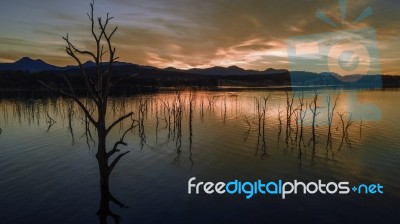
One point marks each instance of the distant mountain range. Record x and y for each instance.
(28, 64)
(38, 65)
(31, 65)
(26, 74)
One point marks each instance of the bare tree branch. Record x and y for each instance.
(88, 81)
(85, 110)
(115, 161)
(118, 120)
(121, 141)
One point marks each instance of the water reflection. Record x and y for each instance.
(167, 113)
(174, 120)
(104, 209)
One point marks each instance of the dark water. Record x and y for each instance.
(49, 173)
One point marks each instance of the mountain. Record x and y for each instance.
(26, 73)
(231, 70)
(38, 65)
(218, 70)
(274, 71)
(31, 65)
(28, 64)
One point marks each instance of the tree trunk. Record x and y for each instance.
(101, 155)
(102, 161)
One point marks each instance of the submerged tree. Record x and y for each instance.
(98, 83)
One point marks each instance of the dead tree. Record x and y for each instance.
(330, 119)
(290, 110)
(302, 114)
(50, 121)
(280, 121)
(247, 133)
(345, 127)
(261, 109)
(98, 85)
(191, 101)
(313, 108)
(70, 114)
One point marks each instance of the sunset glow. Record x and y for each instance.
(196, 34)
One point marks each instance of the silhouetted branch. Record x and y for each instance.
(117, 202)
(88, 81)
(85, 110)
(121, 141)
(115, 161)
(50, 121)
(118, 121)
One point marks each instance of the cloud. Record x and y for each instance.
(251, 34)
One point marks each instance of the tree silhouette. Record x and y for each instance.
(98, 85)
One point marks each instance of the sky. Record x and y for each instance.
(252, 34)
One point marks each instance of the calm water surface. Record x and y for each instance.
(49, 173)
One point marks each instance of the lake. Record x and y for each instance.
(49, 172)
